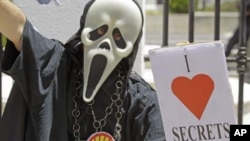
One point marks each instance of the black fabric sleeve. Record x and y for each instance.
(144, 113)
(35, 66)
(34, 70)
(9, 57)
(12, 123)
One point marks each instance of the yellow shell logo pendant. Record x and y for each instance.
(101, 136)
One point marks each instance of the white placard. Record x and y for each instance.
(193, 91)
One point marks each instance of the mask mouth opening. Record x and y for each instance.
(97, 68)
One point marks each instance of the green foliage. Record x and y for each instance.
(227, 6)
(180, 6)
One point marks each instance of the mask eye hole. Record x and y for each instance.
(99, 32)
(119, 41)
(117, 36)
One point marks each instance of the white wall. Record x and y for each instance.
(53, 20)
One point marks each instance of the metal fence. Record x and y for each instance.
(241, 58)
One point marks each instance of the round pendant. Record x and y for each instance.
(101, 136)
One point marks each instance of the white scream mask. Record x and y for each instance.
(110, 31)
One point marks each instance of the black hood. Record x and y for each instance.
(75, 45)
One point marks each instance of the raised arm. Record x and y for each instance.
(12, 21)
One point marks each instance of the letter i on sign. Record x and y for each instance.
(186, 59)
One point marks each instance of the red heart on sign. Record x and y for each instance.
(194, 93)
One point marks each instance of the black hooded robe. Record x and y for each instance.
(40, 103)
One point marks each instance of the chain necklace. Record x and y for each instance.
(116, 102)
(76, 111)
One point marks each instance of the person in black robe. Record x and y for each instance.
(52, 99)
(233, 41)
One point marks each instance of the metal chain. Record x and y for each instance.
(115, 100)
(99, 124)
(76, 111)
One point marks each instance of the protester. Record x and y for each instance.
(83, 89)
(233, 42)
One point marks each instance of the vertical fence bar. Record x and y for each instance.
(217, 20)
(165, 22)
(241, 59)
(191, 21)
